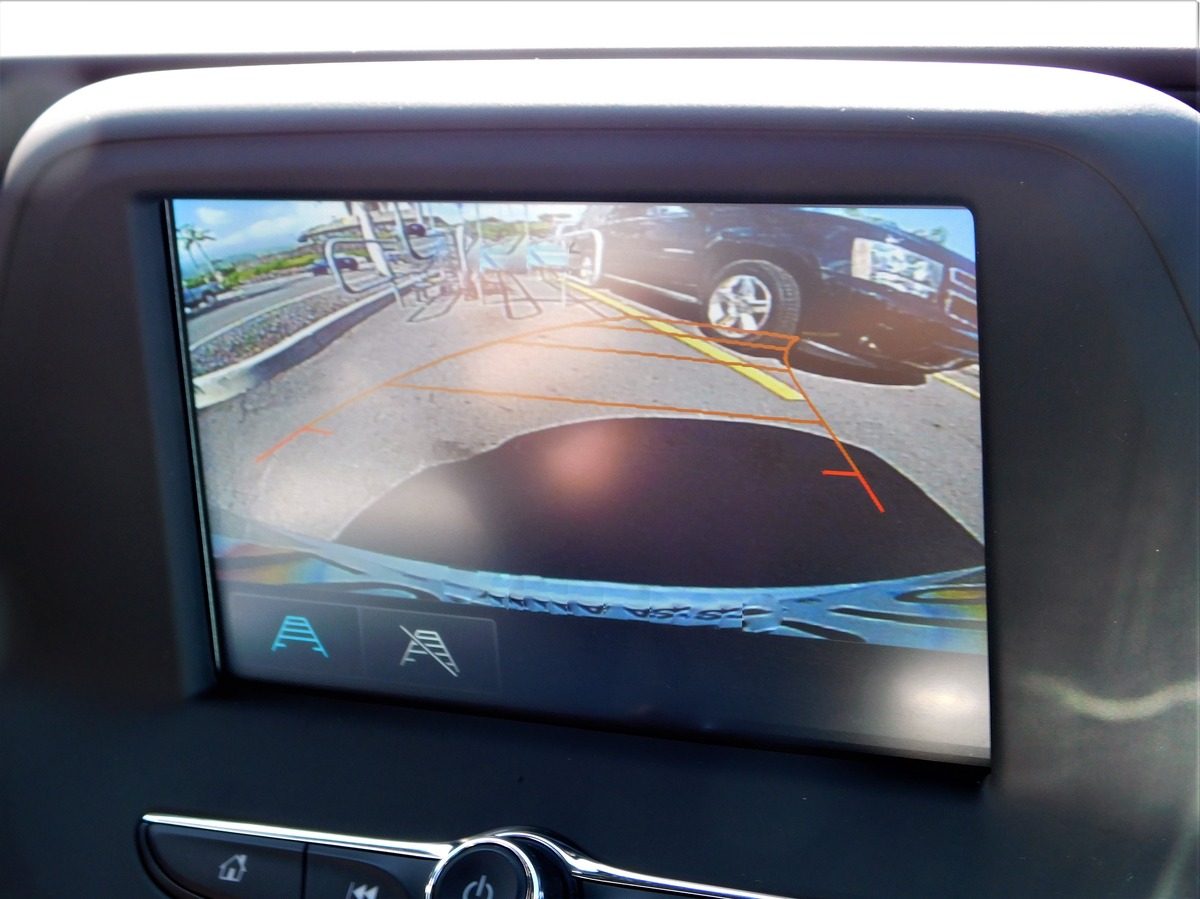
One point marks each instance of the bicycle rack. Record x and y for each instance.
(401, 283)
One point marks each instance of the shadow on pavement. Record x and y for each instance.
(668, 501)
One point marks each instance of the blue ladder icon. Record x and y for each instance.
(296, 629)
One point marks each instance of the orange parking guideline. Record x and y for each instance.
(309, 427)
(845, 455)
(292, 436)
(595, 349)
(710, 349)
(392, 382)
(523, 339)
(607, 403)
(789, 341)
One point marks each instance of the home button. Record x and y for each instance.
(225, 866)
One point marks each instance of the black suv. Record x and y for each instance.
(857, 291)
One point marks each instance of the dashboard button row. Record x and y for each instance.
(204, 858)
(189, 862)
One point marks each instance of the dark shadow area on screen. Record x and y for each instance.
(669, 501)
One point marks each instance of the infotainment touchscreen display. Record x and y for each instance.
(708, 469)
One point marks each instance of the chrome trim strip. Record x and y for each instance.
(861, 363)
(586, 869)
(963, 278)
(687, 298)
(576, 865)
(431, 851)
(833, 351)
(949, 307)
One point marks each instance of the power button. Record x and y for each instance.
(485, 870)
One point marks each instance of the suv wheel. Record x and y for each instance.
(752, 296)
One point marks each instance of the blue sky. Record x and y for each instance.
(252, 226)
(261, 226)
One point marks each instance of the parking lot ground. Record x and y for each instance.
(965, 381)
(425, 383)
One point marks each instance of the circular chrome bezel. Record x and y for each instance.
(533, 883)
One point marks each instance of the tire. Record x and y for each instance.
(748, 296)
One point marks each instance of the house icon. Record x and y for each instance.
(233, 869)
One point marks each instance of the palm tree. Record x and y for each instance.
(193, 239)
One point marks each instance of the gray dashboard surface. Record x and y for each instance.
(1083, 188)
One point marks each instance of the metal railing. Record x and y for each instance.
(401, 282)
(589, 277)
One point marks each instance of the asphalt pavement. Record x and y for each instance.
(424, 384)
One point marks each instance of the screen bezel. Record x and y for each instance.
(830, 690)
(546, 154)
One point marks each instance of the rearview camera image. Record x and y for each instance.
(422, 426)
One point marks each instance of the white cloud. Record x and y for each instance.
(284, 226)
(211, 217)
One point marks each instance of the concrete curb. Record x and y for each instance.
(234, 380)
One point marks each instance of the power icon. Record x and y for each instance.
(486, 868)
(479, 889)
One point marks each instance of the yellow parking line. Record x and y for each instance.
(953, 383)
(706, 347)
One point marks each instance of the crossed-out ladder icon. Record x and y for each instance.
(424, 642)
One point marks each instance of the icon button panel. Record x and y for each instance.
(345, 644)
